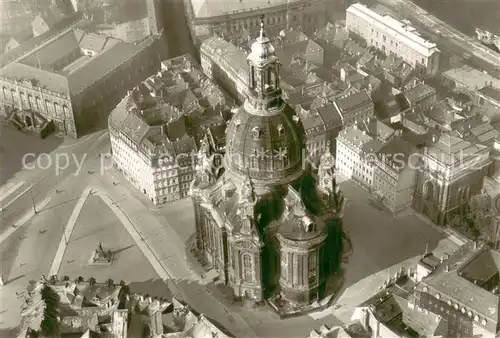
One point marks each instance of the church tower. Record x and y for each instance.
(264, 138)
(264, 86)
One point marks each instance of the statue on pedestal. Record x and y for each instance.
(102, 256)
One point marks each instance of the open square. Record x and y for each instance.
(96, 224)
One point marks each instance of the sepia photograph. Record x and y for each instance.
(249, 168)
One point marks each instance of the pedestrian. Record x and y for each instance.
(40, 231)
(13, 225)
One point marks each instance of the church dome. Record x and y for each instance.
(262, 50)
(266, 147)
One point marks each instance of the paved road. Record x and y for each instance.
(14, 144)
(177, 31)
(43, 181)
(164, 247)
(27, 254)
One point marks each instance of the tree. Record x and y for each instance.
(480, 216)
(50, 323)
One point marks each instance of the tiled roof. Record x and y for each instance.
(220, 48)
(400, 147)
(446, 280)
(418, 92)
(212, 8)
(353, 101)
(451, 150)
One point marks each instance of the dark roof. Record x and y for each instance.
(491, 92)
(418, 92)
(353, 101)
(448, 281)
(277, 130)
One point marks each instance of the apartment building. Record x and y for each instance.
(395, 174)
(392, 36)
(461, 288)
(354, 106)
(355, 155)
(153, 145)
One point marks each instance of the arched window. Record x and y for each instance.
(38, 103)
(66, 111)
(31, 102)
(13, 95)
(247, 268)
(48, 107)
(57, 110)
(429, 191)
(5, 93)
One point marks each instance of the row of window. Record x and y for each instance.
(35, 103)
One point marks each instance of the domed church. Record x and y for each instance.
(264, 221)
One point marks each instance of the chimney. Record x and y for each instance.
(447, 268)
(475, 245)
(164, 129)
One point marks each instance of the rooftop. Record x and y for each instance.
(353, 101)
(155, 114)
(453, 280)
(418, 92)
(452, 151)
(43, 64)
(204, 9)
(472, 78)
(403, 32)
(493, 93)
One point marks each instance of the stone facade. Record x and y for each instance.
(261, 219)
(235, 20)
(451, 171)
(72, 102)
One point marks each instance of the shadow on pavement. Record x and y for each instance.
(15, 144)
(10, 332)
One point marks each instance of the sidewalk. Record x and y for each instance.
(454, 235)
(167, 255)
(8, 189)
(68, 230)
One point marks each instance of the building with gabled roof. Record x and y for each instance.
(450, 172)
(74, 78)
(152, 141)
(355, 154)
(392, 313)
(355, 106)
(235, 19)
(463, 289)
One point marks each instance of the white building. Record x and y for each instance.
(355, 151)
(393, 36)
(152, 143)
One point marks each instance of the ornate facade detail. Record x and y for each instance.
(260, 223)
